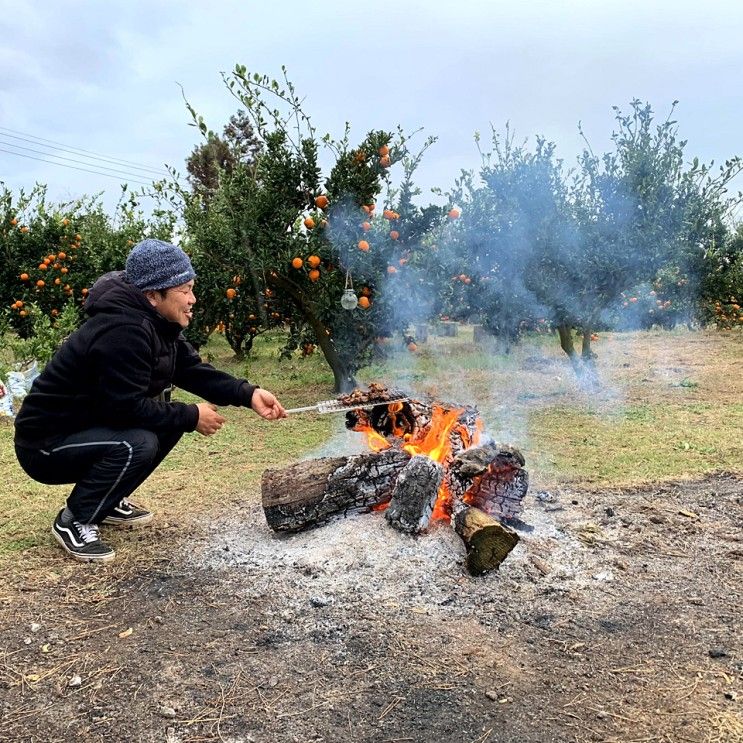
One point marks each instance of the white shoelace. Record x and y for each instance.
(88, 532)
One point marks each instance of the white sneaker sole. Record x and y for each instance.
(82, 557)
(128, 523)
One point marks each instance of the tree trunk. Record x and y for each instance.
(583, 364)
(235, 340)
(310, 493)
(565, 331)
(343, 378)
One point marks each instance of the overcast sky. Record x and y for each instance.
(104, 76)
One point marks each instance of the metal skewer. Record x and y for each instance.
(334, 406)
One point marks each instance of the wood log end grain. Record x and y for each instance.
(488, 542)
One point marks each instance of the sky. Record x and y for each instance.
(106, 77)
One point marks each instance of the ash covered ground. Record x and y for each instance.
(616, 618)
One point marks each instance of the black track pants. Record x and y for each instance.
(106, 465)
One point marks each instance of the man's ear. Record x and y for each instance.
(153, 297)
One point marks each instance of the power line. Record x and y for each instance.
(85, 170)
(75, 150)
(113, 161)
(72, 160)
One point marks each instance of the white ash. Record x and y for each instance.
(358, 562)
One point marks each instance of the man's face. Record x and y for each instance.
(175, 304)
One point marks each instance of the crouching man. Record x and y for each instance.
(93, 417)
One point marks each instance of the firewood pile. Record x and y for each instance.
(428, 461)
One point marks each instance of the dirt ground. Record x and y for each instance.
(616, 618)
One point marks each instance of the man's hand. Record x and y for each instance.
(266, 405)
(210, 421)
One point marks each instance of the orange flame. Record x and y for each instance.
(434, 441)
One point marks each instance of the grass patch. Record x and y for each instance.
(648, 422)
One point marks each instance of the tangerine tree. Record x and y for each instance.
(51, 253)
(572, 248)
(276, 244)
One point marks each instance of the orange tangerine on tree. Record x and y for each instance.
(363, 245)
(313, 261)
(65, 222)
(55, 312)
(41, 283)
(314, 274)
(43, 266)
(297, 262)
(462, 276)
(453, 214)
(412, 347)
(78, 238)
(366, 291)
(364, 302)
(321, 201)
(309, 223)
(365, 209)
(64, 269)
(384, 150)
(24, 229)
(84, 291)
(467, 280)
(61, 256)
(385, 161)
(394, 234)
(231, 293)
(365, 226)
(23, 313)
(57, 281)
(14, 222)
(24, 277)
(391, 269)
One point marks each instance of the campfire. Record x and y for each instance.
(429, 461)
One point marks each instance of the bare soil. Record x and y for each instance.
(616, 618)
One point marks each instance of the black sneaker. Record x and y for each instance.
(127, 515)
(82, 541)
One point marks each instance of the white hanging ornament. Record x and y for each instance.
(349, 300)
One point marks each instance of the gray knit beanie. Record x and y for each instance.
(154, 264)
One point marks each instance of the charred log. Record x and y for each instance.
(414, 496)
(488, 542)
(491, 477)
(311, 493)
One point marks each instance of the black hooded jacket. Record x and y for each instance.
(108, 372)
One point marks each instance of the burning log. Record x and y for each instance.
(491, 477)
(488, 542)
(311, 493)
(414, 496)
